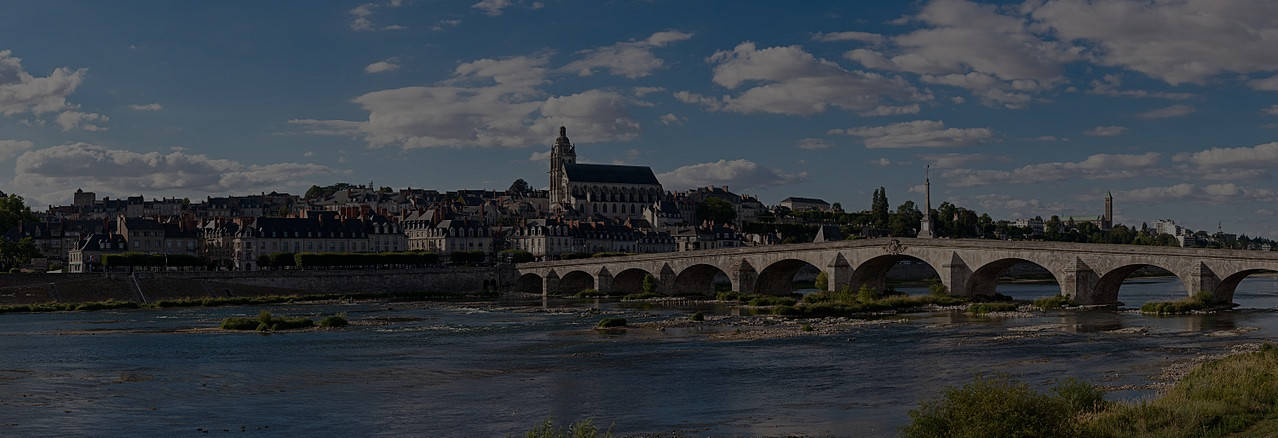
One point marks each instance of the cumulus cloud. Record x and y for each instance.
(362, 17)
(630, 59)
(1212, 193)
(1175, 41)
(789, 80)
(1272, 110)
(956, 160)
(11, 148)
(445, 24)
(1105, 131)
(865, 37)
(741, 173)
(488, 102)
(671, 119)
(382, 66)
(1098, 166)
(917, 134)
(812, 144)
(69, 120)
(1111, 85)
(54, 172)
(146, 107)
(644, 91)
(1167, 112)
(1262, 155)
(888, 110)
(21, 92)
(494, 8)
(1265, 84)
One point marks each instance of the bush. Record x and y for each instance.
(641, 296)
(1054, 302)
(516, 256)
(235, 323)
(994, 407)
(698, 316)
(104, 305)
(1080, 396)
(580, 429)
(822, 281)
(333, 321)
(265, 321)
(806, 327)
(1200, 301)
(768, 300)
(937, 289)
(728, 296)
(649, 283)
(983, 308)
(867, 294)
(611, 322)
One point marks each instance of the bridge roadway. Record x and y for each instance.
(1089, 273)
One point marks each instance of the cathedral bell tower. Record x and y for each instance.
(561, 153)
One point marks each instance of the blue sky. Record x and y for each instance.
(1023, 108)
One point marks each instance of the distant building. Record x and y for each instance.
(87, 256)
(795, 203)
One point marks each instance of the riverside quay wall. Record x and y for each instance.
(156, 286)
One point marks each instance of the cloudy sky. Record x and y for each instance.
(1022, 108)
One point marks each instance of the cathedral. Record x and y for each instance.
(586, 190)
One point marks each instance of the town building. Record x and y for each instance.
(795, 203)
(605, 190)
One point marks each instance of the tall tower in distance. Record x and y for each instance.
(925, 226)
(1107, 222)
(560, 154)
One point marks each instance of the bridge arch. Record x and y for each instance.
(984, 279)
(1107, 286)
(700, 279)
(1229, 284)
(779, 277)
(575, 281)
(630, 281)
(873, 272)
(529, 283)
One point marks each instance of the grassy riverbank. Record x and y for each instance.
(240, 301)
(1232, 396)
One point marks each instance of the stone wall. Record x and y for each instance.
(155, 286)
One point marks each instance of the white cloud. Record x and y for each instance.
(881, 162)
(1167, 112)
(997, 56)
(1110, 85)
(21, 92)
(146, 107)
(1211, 193)
(738, 173)
(1272, 110)
(493, 8)
(917, 134)
(1105, 131)
(644, 91)
(865, 37)
(812, 144)
(362, 17)
(671, 119)
(1262, 155)
(329, 127)
(445, 24)
(1175, 41)
(69, 120)
(1265, 84)
(54, 172)
(954, 160)
(630, 59)
(539, 156)
(11, 148)
(382, 66)
(1098, 166)
(888, 110)
(788, 80)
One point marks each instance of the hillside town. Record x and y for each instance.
(587, 210)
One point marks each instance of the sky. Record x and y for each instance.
(1020, 108)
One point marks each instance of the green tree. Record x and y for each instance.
(649, 283)
(822, 281)
(716, 210)
(879, 208)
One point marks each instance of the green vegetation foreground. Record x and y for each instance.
(1233, 395)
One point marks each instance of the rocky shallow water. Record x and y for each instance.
(494, 369)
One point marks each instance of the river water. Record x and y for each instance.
(435, 369)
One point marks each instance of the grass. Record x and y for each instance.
(641, 296)
(1232, 396)
(1053, 302)
(611, 322)
(581, 429)
(265, 321)
(233, 301)
(333, 321)
(983, 308)
(824, 308)
(1200, 301)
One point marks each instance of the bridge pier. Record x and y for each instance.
(954, 275)
(1202, 279)
(838, 274)
(744, 277)
(603, 280)
(549, 282)
(666, 280)
(1080, 283)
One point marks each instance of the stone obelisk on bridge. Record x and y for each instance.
(925, 226)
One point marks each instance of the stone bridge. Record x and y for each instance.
(1089, 273)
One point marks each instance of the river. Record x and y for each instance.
(495, 369)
